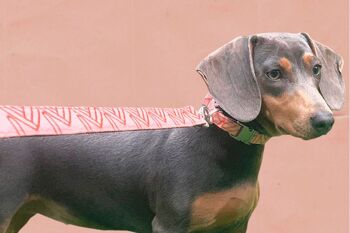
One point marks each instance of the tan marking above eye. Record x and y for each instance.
(286, 64)
(307, 58)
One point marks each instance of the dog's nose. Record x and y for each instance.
(322, 122)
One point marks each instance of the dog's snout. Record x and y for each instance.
(322, 122)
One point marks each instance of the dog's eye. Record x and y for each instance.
(316, 70)
(274, 74)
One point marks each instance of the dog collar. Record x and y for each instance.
(213, 114)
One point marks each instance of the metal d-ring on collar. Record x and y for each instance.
(204, 111)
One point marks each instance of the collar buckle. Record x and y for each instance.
(245, 134)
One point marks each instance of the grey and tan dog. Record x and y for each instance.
(196, 179)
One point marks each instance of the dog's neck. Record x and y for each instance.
(240, 160)
(214, 114)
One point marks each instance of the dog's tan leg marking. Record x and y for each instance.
(15, 224)
(35, 204)
(286, 64)
(20, 217)
(219, 209)
(18, 221)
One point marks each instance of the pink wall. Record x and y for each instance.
(134, 53)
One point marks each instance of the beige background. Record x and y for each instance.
(143, 53)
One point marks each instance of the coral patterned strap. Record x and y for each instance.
(49, 120)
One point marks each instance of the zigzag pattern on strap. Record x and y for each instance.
(49, 120)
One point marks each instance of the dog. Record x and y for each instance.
(184, 179)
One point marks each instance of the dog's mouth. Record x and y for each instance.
(297, 129)
(306, 126)
(315, 134)
(303, 131)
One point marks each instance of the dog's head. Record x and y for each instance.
(288, 83)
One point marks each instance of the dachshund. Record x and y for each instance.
(186, 179)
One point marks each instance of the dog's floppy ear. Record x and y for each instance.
(331, 83)
(229, 74)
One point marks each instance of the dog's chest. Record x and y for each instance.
(212, 211)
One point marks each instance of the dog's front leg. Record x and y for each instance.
(241, 229)
(172, 215)
(162, 224)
